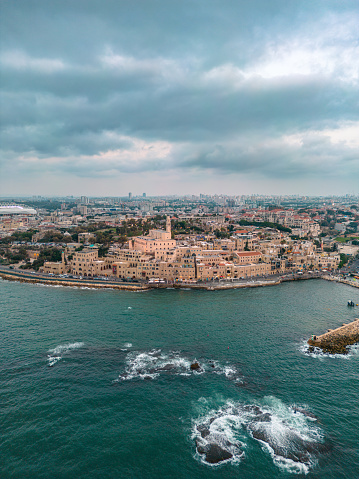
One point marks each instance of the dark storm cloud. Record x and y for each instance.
(92, 88)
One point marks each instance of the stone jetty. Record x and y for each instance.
(337, 340)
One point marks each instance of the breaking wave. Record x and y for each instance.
(57, 353)
(288, 433)
(151, 364)
(318, 353)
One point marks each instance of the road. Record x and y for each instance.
(46, 277)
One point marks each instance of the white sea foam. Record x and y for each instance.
(74, 286)
(57, 353)
(127, 345)
(221, 428)
(43, 285)
(288, 433)
(318, 353)
(150, 364)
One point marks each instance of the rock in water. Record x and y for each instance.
(216, 454)
(195, 366)
(203, 430)
(290, 447)
(166, 367)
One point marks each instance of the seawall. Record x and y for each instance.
(210, 286)
(78, 284)
(355, 284)
(336, 340)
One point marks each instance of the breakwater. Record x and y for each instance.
(336, 340)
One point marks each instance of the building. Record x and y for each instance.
(157, 240)
(82, 210)
(87, 263)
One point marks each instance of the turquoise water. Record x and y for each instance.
(98, 383)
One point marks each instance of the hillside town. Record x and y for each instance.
(179, 239)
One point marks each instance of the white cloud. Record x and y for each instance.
(345, 134)
(19, 60)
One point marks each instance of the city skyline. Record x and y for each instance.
(100, 99)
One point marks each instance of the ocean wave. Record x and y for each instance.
(74, 286)
(288, 433)
(151, 364)
(57, 353)
(318, 353)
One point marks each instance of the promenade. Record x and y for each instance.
(19, 275)
(222, 284)
(338, 279)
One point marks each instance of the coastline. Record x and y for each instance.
(74, 284)
(250, 283)
(340, 280)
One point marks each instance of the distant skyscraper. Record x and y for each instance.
(130, 196)
(144, 195)
(84, 200)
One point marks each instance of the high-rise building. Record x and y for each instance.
(143, 195)
(84, 200)
(82, 210)
(130, 196)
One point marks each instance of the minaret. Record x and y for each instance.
(168, 225)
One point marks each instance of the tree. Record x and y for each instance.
(102, 251)
(344, 258)
(46, 254)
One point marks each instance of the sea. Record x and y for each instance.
(176, 383)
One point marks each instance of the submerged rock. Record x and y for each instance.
(290, 446)
(264, 417)
(253, 409)
(166, 367)
(304, 412)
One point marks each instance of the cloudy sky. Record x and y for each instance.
(175, 97)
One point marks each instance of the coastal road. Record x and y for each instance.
(45, 277)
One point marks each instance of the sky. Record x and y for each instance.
(105, 97)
